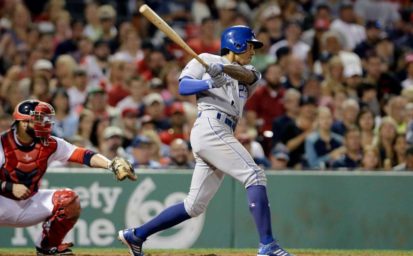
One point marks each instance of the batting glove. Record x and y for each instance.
(214, 69)
(217, 81)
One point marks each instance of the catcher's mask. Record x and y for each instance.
(41, 114)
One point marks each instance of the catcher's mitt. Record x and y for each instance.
(122, 169)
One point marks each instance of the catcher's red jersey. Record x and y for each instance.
(27, 164)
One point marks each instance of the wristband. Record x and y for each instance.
(6, 186)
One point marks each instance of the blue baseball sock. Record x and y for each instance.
(260, 210)
(166, 219)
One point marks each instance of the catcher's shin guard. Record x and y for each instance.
(65, 213)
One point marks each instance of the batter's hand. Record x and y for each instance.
(20, 191)
(218, 81)
(122, 169)
(215, 69)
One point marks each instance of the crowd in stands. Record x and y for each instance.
(336, 91)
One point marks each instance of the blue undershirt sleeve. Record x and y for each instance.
(190, 86)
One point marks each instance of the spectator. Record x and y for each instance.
(207, 41)
(177, 122)
(137, 88)
(97, 65)
(63, 30)
(78, 92)
(140, 153)
(271, 21)
(386, 50)
(130, 48)
(365, 122)
(353, 152)
(349, 109)
(408, 82)
(332, 44)
(170, 85)
(294, 76)
(107, 17)
(65, 67)
(271, 94)
(112, 142)
(279, 157)
(292, 40)
(261, 58)
(71, 44)
(66, 121)
(43, 67)
(39, 88)
(397, 111)
(346, 25)
(312, 37)
(155, 108)
(291, 102)
(294, 134)
(180, 155)
(95, 97)
(352, 81)
(334, 77)
(85, 127)
(153, 64)
(368, 97)
(116, 87)
(376, 73)
(373, 35)
(312, 87)
(384, 141)
(385, 11)
(371, 159)
(129, 118)
(400, 147)
(408, 163)
(322, 146)
(92, 28)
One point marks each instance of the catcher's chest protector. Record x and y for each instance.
(24, 164)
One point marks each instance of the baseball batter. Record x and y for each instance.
(222, 90)
(25, 152)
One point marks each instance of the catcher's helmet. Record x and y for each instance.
(236, 39)
(24, 109)
(40, 113)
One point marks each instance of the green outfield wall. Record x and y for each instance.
(337, 210)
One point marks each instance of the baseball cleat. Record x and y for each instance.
(61, 250)
(134, 243)
(272, 249)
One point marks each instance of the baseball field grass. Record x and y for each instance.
(211, 252)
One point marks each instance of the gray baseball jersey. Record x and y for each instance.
(217, 152)
(229, 98)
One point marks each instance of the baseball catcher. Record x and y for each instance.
(26, 150)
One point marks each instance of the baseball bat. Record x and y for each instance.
(169, 32)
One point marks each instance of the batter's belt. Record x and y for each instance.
(220, 116)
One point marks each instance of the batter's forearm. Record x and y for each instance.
(240, 73)
(99, 161)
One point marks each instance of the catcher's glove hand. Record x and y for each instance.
(122, 169)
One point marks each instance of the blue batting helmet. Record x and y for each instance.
(236, 39)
